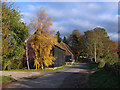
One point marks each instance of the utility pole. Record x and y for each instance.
(95, 51)
(27, 56)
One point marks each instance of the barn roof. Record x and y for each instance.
(67, 48)
(59, 46)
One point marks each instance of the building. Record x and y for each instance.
(69, 55)
(59, 54)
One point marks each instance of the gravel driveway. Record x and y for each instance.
(75, 76)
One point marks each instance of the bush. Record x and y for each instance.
(101, 64)
(93, 65)
(16, 64)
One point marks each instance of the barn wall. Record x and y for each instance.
(59, 54)
(67, 58)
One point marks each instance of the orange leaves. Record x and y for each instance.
(77, 33)
(43, 39)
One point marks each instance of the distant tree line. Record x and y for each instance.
(94, 44)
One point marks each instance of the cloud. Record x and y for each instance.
(113, 36)
(31, 7)
(55, 13)
(82, 16)
(58, 27)
(26, 14)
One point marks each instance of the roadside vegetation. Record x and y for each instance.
(75, 63)
(60, 68)
(103, 78)
(5, 79)
(39, 70)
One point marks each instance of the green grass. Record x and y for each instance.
(75, 63)
(103, 79)
(39, 70)
(31, 70)
(63, 67)
(5, 79)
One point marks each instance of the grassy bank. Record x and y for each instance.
(5, 79)
(102, 78)
(39, 70)
(77, 62)
(60, 68)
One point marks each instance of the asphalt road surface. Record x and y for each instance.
(75, 76)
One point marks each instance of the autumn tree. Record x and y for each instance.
(77, 33)
(43, 39)
(58, 37)
(14, 34)
(75, 42)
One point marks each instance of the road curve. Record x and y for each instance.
(75, 76)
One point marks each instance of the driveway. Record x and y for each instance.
(75, 76)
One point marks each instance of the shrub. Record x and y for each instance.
(101, 64)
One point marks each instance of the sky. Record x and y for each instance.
(68, 16)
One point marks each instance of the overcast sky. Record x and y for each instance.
(83, 16)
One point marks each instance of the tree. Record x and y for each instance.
(74, 41)
(58, 37)
(14, 33)
(77, 33)
(43, 39)
(98, 44)
(94, 40)
(110, 52)
(87, 37)
(65, 40)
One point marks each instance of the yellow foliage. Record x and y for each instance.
(43, 39)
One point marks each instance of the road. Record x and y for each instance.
(75, 76)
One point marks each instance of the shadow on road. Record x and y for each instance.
(73, 77)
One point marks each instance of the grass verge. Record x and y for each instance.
(5, 79)
(103, 79)
(63, 67)
(39, 70)
(75, 63)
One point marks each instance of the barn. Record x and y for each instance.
(68, 54)
(59, 54)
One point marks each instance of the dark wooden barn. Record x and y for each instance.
(59, 54)
(68, 55)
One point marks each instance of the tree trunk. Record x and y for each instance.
(42, 66)
(27, 57)
(8, 67)
(95, 51)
